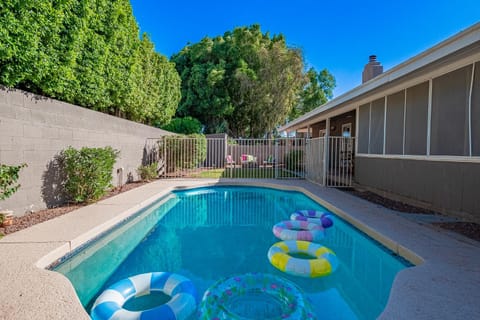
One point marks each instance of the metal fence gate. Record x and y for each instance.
(326, 161)
(184, 157)
(330, 161)
(315, 160)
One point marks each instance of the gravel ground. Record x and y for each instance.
(390, 204)
(469, 229)
(466, 228)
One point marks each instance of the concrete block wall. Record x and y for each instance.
(34, 129)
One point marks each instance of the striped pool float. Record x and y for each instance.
(325, 261)
(298, 230)
(183, 302)
(319, 217)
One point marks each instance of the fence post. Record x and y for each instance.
(326, 151)
(276, 161)
(164, 138)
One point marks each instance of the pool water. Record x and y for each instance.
(206, 234)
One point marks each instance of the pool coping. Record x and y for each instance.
(445, 278)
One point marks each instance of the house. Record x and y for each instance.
(416, 126)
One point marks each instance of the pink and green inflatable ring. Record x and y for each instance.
(254, 295)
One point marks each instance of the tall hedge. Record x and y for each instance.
(86, 52)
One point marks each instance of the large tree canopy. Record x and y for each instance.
(318, 90)
(244, 83)
(89, 53)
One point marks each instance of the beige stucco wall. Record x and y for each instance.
(33, 129)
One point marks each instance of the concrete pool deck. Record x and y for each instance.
(444, 284)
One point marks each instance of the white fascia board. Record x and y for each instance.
(439, 51)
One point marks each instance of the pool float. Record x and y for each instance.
(320, 217)
(254, 295)
(323, 263)
(183, 302)
(298, 230)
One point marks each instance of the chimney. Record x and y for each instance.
(372, 69)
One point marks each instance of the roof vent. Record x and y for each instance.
(372, 69)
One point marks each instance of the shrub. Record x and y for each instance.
(198, 150)
(187, 125)
(148, 172)
(88, 172)
(184, 152)
(8, 177)
(294, 160)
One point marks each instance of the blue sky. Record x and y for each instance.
(336, 35)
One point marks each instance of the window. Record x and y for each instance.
(450, 104)
(416, 119)
(346, 144)
(347, 130)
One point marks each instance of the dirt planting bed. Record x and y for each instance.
(33, 218)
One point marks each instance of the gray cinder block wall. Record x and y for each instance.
(34, 129)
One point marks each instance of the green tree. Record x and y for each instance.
(187, 125)
(317, 91)
(156, 86)
(205, 95)
(268, 97)
(244, 83)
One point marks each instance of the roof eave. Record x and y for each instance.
(441, 50)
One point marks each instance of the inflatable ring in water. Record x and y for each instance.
(183, 302)
(254, 296)
(323, 263)
(320, 217)
(298, 230)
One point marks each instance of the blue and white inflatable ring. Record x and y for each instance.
(183, 302)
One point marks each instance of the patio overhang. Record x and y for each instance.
(420, 67)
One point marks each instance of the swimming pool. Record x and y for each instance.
(206, 234)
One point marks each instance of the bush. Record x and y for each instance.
(88, 172)
(184, 152)
(148, 172)
(294, 160)
(8, 177)
(187, 125)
